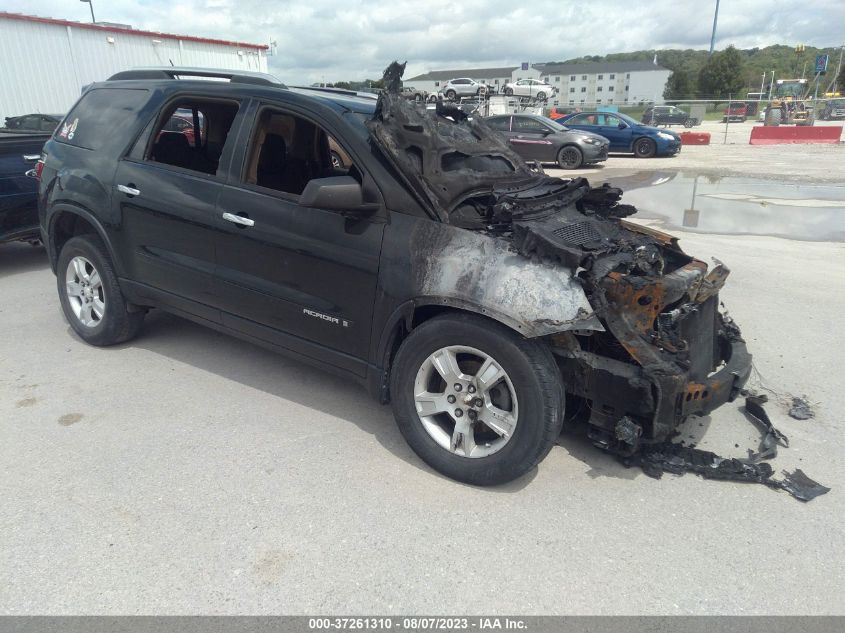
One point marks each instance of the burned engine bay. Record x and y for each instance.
(647, 349)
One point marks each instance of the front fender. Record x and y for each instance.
(472, 271)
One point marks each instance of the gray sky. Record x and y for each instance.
(350, 39)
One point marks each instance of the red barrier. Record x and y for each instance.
(695, 138)
(772, 135)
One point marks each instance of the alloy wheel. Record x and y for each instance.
(466, 401)
(84, 289)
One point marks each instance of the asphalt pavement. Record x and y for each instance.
(187, 472)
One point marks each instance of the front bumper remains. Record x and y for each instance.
(669, 354)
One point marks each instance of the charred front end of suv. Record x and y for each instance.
(668, 352)
(634, 323)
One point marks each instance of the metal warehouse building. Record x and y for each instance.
(44, 62)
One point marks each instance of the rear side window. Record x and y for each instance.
(100, 116)
(191, 134)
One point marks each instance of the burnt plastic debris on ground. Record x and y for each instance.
(677, 459)
(771, 436)
(800, 409)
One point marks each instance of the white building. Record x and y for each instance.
(588, 83)
(604, 83)
(433, 80)
(44, 63)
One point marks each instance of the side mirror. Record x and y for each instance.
(337, 193)
(622, 125)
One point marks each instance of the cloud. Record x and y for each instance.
(322, 39)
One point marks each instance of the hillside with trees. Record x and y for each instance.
(731, 71)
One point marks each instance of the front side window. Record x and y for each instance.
(192, 133)
(288, 151)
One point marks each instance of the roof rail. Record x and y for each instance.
(339, 91)
(180, 72)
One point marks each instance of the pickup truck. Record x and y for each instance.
(735, 112)
(488, 303)
(19, 153)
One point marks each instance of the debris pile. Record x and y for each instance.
(677, 459)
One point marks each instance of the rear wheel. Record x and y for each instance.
(450, 94)
(474, 400)
(569, 157)
(689, 123)
(645, 148)
(541, 96)
(90, 295)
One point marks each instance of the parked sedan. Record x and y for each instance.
(529, 88)
(625, 134)
(540, 139)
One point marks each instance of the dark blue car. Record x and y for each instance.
(625, 134)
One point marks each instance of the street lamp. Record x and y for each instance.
(91, 6)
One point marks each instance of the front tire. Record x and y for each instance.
(541, 96)
(451, 94)
(570, 157)
(476, 401)
(90, 295)
(689, 123)
(645, 148)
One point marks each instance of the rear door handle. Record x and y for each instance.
(238, 219)
(129, 191)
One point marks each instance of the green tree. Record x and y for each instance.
(722, 75)
(680, 85)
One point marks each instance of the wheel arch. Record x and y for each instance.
(639, 138)
(412, 314)
(67, 220)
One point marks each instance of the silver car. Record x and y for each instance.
(462, 87)
(529, 88)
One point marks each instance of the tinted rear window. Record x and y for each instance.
(100, 115)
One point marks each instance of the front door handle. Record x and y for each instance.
(129, 191)
(31, 157)
(238, 219)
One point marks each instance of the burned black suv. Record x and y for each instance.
(487, 302)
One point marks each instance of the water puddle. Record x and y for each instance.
(738, 206)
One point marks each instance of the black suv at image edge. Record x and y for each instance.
(487, 302)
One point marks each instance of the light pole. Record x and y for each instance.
(91, 6)
(713, 35)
